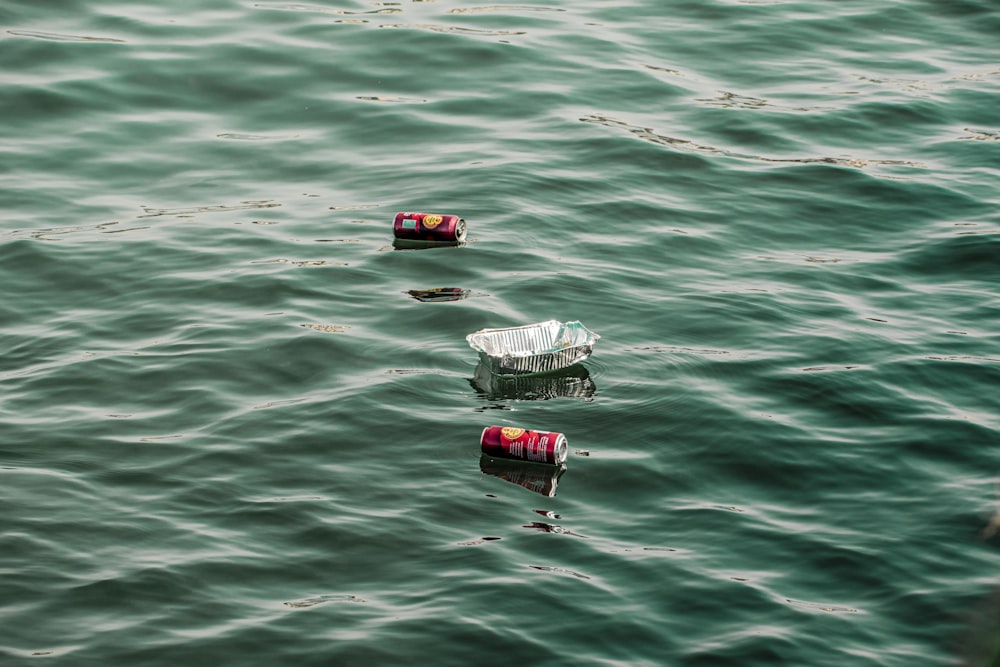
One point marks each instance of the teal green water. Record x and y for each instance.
(230, 436)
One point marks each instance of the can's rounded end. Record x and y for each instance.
(460, 230)
(561, 450)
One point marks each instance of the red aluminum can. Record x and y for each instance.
(511, 442)
(428, 227)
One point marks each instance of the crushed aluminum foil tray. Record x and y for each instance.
(533, 348)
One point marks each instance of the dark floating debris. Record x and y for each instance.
(440, 294)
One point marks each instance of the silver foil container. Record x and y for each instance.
(533, 348)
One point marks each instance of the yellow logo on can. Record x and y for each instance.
(432, 221)
(511, 433)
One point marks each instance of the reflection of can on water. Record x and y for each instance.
(540, 479)
(511, 442)
(428, 227)
(439, 294)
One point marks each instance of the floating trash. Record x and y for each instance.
(533, 348)
(440, 294)
(540, 479)
(422, 229)
(512, 442)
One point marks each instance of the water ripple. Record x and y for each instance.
(58, 37)
(327, 598)
(503, 8)
(453, 29)
(236, 136)
(650, 135)
(236, 422)
(320, 9)
(150, 212)
(559, 570)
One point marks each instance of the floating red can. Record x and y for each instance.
(429, 227)
(511, 442)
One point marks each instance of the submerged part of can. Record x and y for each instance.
(429, 228)
(521, 444)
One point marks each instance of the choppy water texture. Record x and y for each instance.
(235, 430)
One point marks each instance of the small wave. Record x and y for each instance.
(551, 528)
(437, 27)
(352, 207)
(288, 7)
(278, 404)
(318, 9)
(327, 328)
(904, 85)
(503, 8)
(481, 540)
(53, 233)
(795, 258)
(237, 136)
(150, 212)
(322, 599)
(833, 609)
(558, 570)
(821, 369)
(981, 135)
(729, 100)
(299, 262)
(391, 98)
(668, 70)
(674, 349)
(650, 135)
(58, 37)
(288, 499)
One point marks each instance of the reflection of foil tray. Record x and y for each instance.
(533, 348)
(574, 382)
